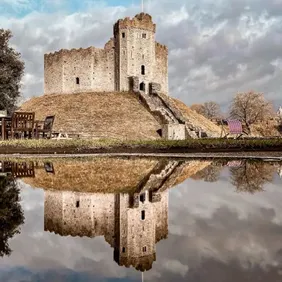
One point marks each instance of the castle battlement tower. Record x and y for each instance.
(132, 52)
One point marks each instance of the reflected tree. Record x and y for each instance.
(11, 214)
(251, 177)
(209, 174)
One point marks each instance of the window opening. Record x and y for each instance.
(144, 35)
(77, 80)
(142, 69)
(142, 86)
(142, 198)
(143, 215)
(123, 249)
(144, 249)
(77, 204)
(123, 35)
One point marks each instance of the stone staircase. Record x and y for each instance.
(160, 106)
(155, 181)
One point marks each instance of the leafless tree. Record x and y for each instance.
(209, 109)
(11, 72)
(250, 108)
(251, 177)
(212, 110)
(199, 108)
(209, 174)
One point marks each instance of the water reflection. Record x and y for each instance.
(132, 223)
(127, 202)
(11, 214)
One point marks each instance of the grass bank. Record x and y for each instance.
(82, 146)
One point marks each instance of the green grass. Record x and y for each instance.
(257, 144)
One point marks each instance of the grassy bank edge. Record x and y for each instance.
(199, 144)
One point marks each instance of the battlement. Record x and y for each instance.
(110, 44)
(161, 49)
(142, 263)
(66, 52)
(140, 21)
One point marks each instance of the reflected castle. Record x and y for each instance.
(132, 223)
(131, 226)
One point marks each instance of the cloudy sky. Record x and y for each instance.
(215, 234)
(216, 47)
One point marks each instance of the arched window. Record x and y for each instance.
(77, 80)
(77, 204)
(142, 69)
(142, 86)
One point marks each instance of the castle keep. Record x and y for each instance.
(131, 56)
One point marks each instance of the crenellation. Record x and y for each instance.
(131, 52)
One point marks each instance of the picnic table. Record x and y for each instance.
(3, 126)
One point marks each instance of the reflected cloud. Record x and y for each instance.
(95, 215)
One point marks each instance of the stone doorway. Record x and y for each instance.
(142, 86)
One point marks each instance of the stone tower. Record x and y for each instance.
(135, 51)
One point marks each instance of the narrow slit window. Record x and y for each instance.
(77, 204)
(142, 69)
(144, 249)
(143, 215)
(77, 80)
(123, 35)
(123, 249)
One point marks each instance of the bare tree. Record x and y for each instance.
(198, 108)
(251, 177)
(251, 108)
(209, 109)
(209, 174)
(11, 72)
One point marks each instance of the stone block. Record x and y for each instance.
(174, 131)
(154, 88)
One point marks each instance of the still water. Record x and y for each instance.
(109, 219)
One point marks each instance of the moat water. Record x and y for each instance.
(133, 219)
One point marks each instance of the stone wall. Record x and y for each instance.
(93, 67)
(53, 73)
(161, 67)
(53, 212)
(174, 131)
(79, 214)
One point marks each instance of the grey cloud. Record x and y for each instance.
(192, 45)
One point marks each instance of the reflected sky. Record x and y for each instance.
(216, 232)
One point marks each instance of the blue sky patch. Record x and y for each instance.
(21, 8)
